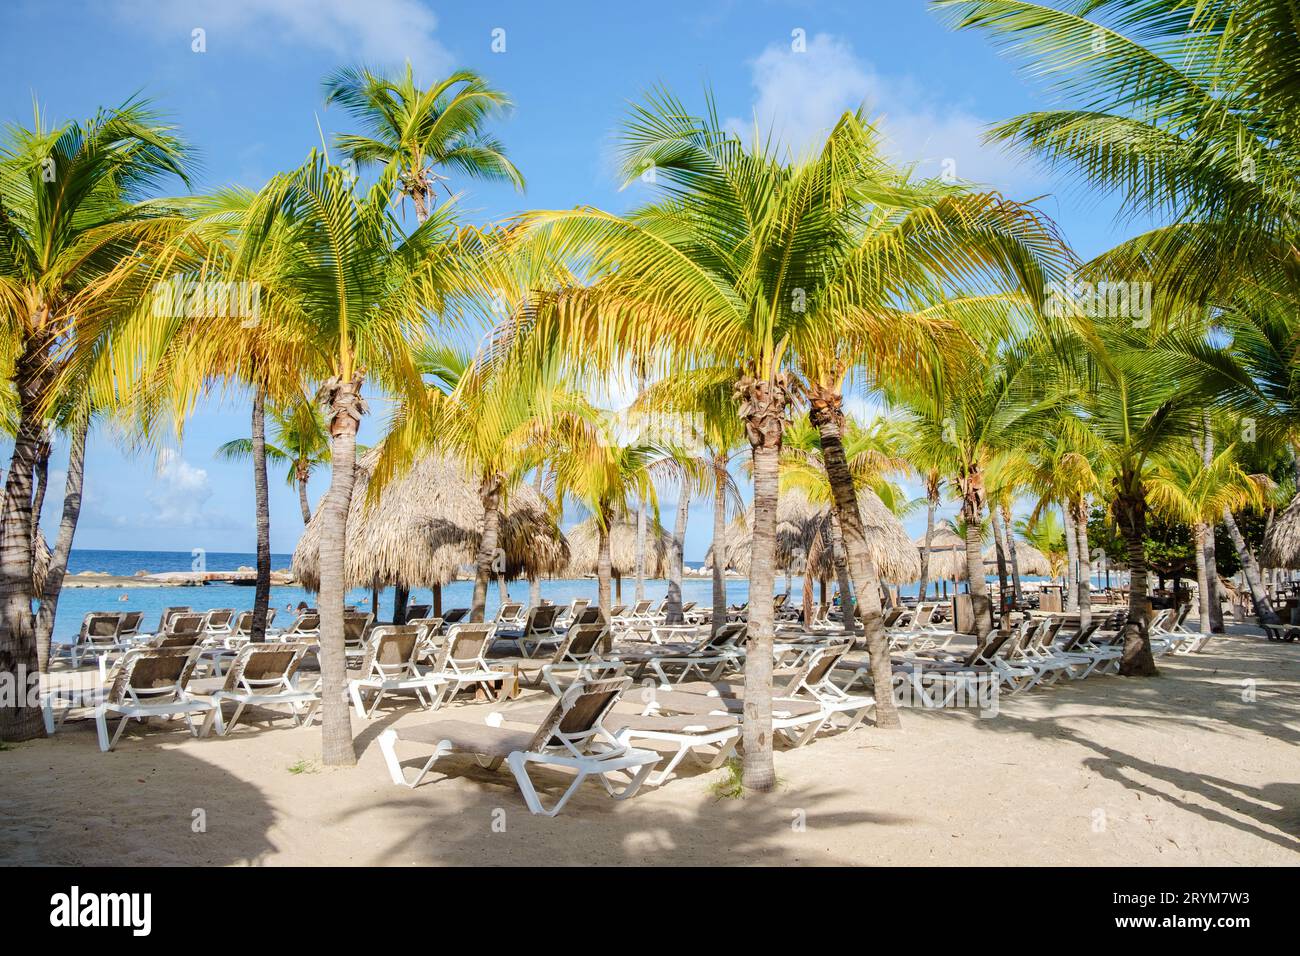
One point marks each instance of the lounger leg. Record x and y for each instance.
(101, 728)
(354, 690)
(518, 763)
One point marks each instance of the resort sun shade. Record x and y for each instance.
(426, 525)
(584, 547)
(947, 554)
(1028, 558)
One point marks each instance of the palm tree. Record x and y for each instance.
(1187, 111)
(1185, 487)
(748, 263)
(603, 477)
(699, 408)
(346, 292)
(421, 132)
(75, 231)
(1045, 532)
(1127, 420)
(967, 410)
(492, 412)
(300, 442)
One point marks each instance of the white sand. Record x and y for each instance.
(1175, 771)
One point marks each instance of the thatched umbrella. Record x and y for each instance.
(1028, 558)
(947, 554)
(584, 548)
(1282, 542)
(798, 521)
(892, 552)
(425, 525)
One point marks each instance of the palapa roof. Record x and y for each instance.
(426, 525)
(1029, 559)
(947, 554)
(584, 547)
(799, 522)
(1282, 542)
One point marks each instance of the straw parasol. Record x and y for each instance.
(584, 548)
(947, 554)
(798, 524)
(426, 525)
(1028, 559)
(1282, 542)
(798, 521)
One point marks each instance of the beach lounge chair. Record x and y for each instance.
(578, 657)
(455, 615)
(356, 631)
(260, 675)
(461, 661)
(705, 660)
(572, 736)
(218, 622)
(99, 638)
(243, 629)
(391, 664)
(417, 611)
(538, 629)
(508, 614)
(809, 683)
(170, 612)
(708, 738)
(129, 630)
(305, 626)
(148, 683)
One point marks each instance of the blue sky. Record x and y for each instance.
(250, 104)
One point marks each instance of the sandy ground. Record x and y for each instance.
(1197, 767)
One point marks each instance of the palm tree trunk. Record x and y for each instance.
(1250, 567)
(763, 406)
(720, 556)
(1214, 592)
(1211, 563)
(345, 409)
(1016, 591)
(20, 718)
(262, 505)
(490, 495)
(1085, 563)
(931, 502)
(42, 481)
(1000, 550)
(1202, 588)
(604, 565)
(827, 416)
(72, 485)
(640, 551)
(1130, 510)
(677, 562)
(848, 612)
(303, 502)
(534, 592)
(972, 494)
(1071, 559)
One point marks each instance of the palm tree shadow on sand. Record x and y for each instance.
(175, 809)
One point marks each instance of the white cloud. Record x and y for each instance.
(381, 32)
(179, 493)
(800, 96)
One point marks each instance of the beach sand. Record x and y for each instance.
(1178, 770)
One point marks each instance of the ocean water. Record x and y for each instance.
(75, 603)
